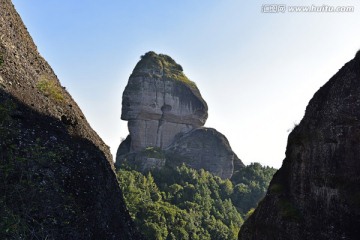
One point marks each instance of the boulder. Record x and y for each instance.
(204, 148)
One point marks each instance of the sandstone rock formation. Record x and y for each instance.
(165, 110)
(316, 193)
(160, 102)
(205, 148)
(56, 174)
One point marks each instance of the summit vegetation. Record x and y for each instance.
(162, 65)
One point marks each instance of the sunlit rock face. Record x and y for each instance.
(159, 102)
(165, 111)
(316, 193)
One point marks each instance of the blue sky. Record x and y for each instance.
(257, 71)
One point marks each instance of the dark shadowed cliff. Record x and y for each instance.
(56, 174)
(316, 193)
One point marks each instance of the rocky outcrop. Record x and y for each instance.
(205, 148)
(165, 110)
(56, 174)
(159, 102)
(316, 193)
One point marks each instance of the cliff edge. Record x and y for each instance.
(316, 192)
(57, 176)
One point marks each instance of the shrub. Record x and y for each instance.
(249, 213)
(153, 152)
(1, 59)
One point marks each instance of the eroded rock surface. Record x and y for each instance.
(159, 102)
(165, 111)
(205, 148)
(56, 174)
(316, 193)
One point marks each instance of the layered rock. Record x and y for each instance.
(316, 193)
(159, 102)
(56, 174)
(165, 111)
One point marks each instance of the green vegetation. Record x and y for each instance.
(153, 152)
(183, 203)
(1, 59)
(49, 87)
(249, 213)
(164, 66)
(251, 184)
(187, 206)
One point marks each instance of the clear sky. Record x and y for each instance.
(257, 71)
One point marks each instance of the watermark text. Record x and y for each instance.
(283, 8)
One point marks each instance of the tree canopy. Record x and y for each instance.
(183, 203)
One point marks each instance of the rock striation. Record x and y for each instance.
(159, 102)
(57, 176)
(165, 110)
(316, 192)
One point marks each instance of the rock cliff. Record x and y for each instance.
(159, 102)
(316, 193)
(56, 174)
(205, 148)
(165, 110)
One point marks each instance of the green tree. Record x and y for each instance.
(184, 203)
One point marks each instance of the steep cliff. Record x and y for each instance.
(159, 102)
(316, 193)
(56, 174)
(165, 113)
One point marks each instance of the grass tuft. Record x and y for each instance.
(163, 66)
(50, 88)
(1, 60)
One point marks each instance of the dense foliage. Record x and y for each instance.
(184, 203)
(250, 185)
